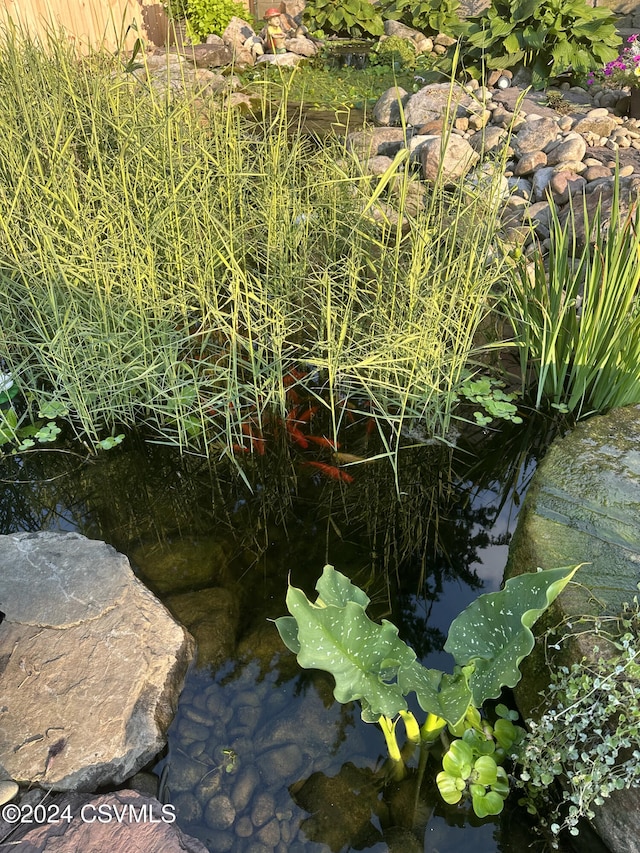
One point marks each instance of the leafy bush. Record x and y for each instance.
(428, 16)
(211, 17)
(353, 18)
(549, 38)
(394, 52)
(177, 10)
(589, 736)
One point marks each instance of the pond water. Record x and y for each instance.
(260, 756)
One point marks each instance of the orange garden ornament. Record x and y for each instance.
(274, 35)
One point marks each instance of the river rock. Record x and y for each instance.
(573, 147)
(583, 507)
(534, 135)
(83, 640)
(211, 615)
(387, 108)
(448, 162)
(434, 101)
(301, 46)
(120, 823)
(237, 32)
(375, 141)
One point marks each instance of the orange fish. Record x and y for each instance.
(331, 471)
(297, 436)
(257, 442)
(323, 442)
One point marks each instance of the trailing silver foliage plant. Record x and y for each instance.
(588, 739)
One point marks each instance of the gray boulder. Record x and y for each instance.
(583, 507)
(91, 664)
(447, 162)
(435, 101)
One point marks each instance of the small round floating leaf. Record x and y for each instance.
(458, 760)
(488, 804)
(485, 771)
(448, 788)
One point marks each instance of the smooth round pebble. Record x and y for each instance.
(219, 812)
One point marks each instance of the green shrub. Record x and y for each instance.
(429, 16)
(549, 38)
(177, 10)
(211, 17)
(394, 52)
(354, 18)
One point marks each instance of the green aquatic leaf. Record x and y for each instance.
(335, 588)
(489, 803)
(446, 696)
(363, 656)
(485, 771)
(449, 787)
(493, 634)
(458, 760)
(288, 630)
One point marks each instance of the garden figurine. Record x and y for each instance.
(273, 34)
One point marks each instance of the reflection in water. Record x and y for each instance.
(260, 756)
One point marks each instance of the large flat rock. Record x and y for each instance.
(122, 822)
(91, 664)
(584, 506)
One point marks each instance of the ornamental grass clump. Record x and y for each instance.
(166, 263)
(576, 314)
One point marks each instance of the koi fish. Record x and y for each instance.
(257, 442)
(331, 471)
(305, 417)
(346, 458)
(297, 436)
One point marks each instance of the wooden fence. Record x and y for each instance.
(98, 23)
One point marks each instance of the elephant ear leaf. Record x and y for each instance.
(494, 633)
(335, 588)
(364, 657)
(446, 696)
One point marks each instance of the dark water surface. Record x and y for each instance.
(260, 756)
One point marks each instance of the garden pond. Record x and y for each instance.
(260, 756)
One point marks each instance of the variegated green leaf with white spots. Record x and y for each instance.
(363, 656)
(446, 696)
(335, 588)
(494, 633)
